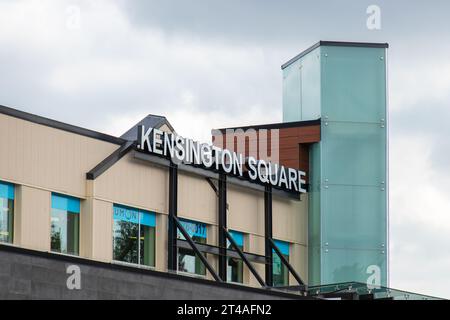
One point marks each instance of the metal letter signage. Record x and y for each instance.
(186, 151)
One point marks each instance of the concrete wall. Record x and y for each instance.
(27, 275)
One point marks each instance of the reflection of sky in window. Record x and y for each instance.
(189, 263)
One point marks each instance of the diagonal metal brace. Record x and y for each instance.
(196, 250)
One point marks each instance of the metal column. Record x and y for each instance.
(222, 227)
(172, 236)
(268, 234)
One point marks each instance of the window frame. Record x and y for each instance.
(7, 192)
(194, 236)
(241, 244)
(70, 206)
(281, 245)
(152, 224)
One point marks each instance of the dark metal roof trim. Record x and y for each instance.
(279, 125)
(109, 161)
(59, 125)
(335, 44)
(150, 120)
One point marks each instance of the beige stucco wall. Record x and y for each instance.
(134, 183)
(245, 210)
(290, 219)
(196, 199)
(48, 158)
(32, 218)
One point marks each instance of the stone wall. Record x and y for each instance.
(28, 274)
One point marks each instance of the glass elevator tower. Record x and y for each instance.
(344, 84)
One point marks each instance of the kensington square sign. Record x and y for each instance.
(187, 151)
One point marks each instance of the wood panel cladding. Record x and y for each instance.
(286, 145)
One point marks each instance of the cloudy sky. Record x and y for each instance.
(204, 64)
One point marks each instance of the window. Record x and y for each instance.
(65, 224)
(130, 225)
(280, 271)
(235, 266)
(187, 259)
(6, 212)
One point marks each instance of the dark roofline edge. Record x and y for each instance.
(163, 120)
(60, 125)
(278, 125)
(335, 44)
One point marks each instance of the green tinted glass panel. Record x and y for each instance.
(353, 217)
(291, 94)
(342, 265)
(346, 87)
(301, 88)
(353, 84)
(353, 153)
(314, 215)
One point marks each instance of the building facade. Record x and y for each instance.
(70, 191)
(73, 191)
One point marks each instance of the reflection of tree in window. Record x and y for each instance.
(128, 223)
(125, 241)
(55, 239)
(64, 231)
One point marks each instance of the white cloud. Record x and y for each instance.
(419, 217)
(423, 81)
(108, 64)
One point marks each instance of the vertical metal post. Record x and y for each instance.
(222, 227)
(268, 234)
(173, 209)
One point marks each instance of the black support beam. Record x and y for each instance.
(268, 234)
(172, 229)
(222, 227)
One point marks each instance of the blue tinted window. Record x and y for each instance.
(188, 261)
(65, 224)
(134, 235)
(6, 212)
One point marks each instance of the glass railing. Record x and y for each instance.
(362, 289)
